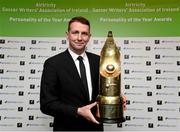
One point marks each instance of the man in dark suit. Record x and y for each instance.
(63, 94)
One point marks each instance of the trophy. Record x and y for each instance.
(110, 101)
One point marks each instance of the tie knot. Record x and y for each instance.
(80, 58)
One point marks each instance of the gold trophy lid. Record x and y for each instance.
(110, 34)
(110, 58)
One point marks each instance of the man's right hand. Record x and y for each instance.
(85, 112)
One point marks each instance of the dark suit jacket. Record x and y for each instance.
(62, 92)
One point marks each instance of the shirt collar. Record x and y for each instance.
(75, 56)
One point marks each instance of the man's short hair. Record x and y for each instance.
(79, 19)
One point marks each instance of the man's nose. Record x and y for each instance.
(79, 36)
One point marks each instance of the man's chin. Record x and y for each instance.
(80, 48)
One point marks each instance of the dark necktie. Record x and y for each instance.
(83, 74)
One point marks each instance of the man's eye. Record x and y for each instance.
(80, 33)
(75, 32)
(85, 34)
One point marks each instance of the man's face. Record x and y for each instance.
(78, 37)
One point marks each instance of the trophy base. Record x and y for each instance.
(111, 121)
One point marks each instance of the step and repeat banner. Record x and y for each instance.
(146, 32)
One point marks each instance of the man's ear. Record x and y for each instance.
(67, 34)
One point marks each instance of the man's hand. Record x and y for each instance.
(85, 112)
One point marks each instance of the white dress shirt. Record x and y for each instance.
(86, 63)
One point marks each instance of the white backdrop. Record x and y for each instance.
(150, 81)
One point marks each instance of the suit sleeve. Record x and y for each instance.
(50, 103)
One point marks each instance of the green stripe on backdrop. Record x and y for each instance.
(126, 18)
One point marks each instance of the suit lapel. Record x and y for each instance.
(70, 65)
